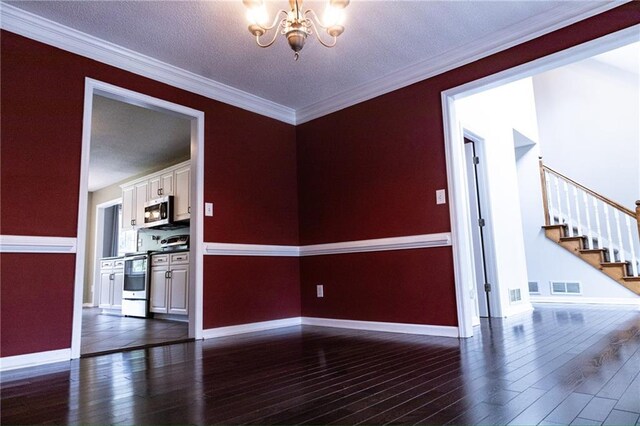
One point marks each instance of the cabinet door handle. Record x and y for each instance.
(132, 220)
(189, 209)
(112, 277)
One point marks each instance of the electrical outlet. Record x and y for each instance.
(320, 290)
(441, 198)
(208, 209)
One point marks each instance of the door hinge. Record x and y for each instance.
(476, 160)
(487, 287)
(481, 222)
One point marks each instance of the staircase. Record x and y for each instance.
(601, 232)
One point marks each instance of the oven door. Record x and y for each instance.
(136, 277)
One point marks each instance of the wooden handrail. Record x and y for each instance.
(593, 193)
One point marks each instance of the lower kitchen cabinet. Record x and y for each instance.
(111, 283)
(170, 283)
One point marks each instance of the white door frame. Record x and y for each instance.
(95, 87)
(454, 152)
(99, 239)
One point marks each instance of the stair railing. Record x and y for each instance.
(604, 223)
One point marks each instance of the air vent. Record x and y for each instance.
(515, 295)
(533, 287)
(565, 287)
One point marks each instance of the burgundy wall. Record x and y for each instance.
(250, 289)
(250, 176)
(373, 286)
(37, 302)
(371, 171)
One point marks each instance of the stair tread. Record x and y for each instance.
(614, 263)
(592, 250)
(572, 238)
(631, 278)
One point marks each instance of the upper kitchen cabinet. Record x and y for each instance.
(161, 185)
(133, 198)
(182, 195)
(174, 180)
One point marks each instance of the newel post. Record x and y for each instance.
(545, 202)
(638, 215)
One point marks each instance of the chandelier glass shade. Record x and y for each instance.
(296, 24)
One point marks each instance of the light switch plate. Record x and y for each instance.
(320, 290)
(208, 209)
(441, 198)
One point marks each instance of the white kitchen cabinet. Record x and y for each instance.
(133, 199)
(158, 286)
(128, 207)
(161, 185)
(174, 180)
(170, 283)
(111, 283)
(182, 194)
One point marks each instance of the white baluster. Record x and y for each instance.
(577, 204)
(632, 250)
(588, 218)
(547, 182)
(616, 216)
(597, 219)
(569, 218)
(608, 225)
(557, 185)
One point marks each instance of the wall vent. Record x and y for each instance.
(533, 287)
(515, 295)
(566, 287)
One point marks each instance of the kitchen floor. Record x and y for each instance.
(103, 333)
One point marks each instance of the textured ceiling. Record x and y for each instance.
(128, 140)
(210, 38)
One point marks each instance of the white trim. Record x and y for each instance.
(389, 327)
(442, 239)
(230, 249)
(379, 244)
(518, 308)
(44, 30)
(456, 179)
(33, 359)
(197, 187)
(88, 305)
(586, 300)
(35, 244)
(98, 240)
(455, 58)
(232, 330)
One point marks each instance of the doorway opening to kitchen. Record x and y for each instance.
(139, 267)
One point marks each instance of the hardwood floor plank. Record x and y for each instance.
(539, 368)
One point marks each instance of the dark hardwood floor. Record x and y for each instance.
(557, 365)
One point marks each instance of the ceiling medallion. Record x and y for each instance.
(297, 24)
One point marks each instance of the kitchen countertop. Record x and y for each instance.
(153, 253)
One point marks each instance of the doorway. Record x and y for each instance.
(195, 121)
(461, 219)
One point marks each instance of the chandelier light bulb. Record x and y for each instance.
(333, 16)
(258, 16)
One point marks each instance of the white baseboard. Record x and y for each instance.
(88, 305)
(519, 308)
(33, 359)
(586, 300)
(249, 328)
(391, 327)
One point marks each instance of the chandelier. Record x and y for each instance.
(296, 24)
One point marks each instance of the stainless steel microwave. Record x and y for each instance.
(158, 212)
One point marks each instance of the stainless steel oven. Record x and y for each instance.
(135, 295)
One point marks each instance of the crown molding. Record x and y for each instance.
(455, 58)
(46, 31)
(41, 29)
